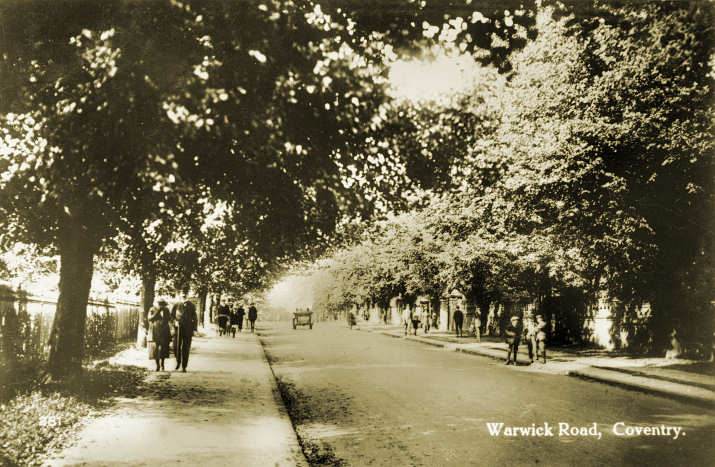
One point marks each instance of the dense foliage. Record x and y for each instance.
(121, 120)
(587, 172)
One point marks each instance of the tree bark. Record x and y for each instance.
(68, 328)
(203, 295)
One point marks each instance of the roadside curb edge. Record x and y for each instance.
(574, 373)
(282, 409)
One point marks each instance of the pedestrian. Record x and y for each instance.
(223, 312)
(185, 322)
(540, 331)
(233, 320)
(240, 313)
(513, 334)
(173, 328)
(426, 318)
(252, 315)
(477, 326)
(529, 336)
(159, 319)
(458, 321)
(415, 319)
(406, 318)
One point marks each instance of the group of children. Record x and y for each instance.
(533, 333)
(411, 318)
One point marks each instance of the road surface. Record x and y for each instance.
(360, 398)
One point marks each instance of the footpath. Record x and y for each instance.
(686, 380)
(225, 410)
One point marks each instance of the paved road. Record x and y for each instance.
(359, 398)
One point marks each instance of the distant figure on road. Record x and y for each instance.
(513, 334)
(458, 321)
(540, 330)
(477, 326)
(529, 335)
(185, 322)
(241, 313)
(233, 320)
(406, 318)
(415, 319)
(159, 318)
(426, 319)
(252, 315)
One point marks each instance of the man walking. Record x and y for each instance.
(185, 323)
(513, 335)
(458, 321)
(252, 315)
(241, 313)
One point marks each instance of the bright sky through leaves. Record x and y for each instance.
(432, 79)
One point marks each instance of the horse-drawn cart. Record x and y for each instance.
(303, 318)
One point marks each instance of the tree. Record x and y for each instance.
(604, 127)
(81, 142)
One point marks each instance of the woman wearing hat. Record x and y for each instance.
(159, 318)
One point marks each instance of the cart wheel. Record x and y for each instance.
(293, 324)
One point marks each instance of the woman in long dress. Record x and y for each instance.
(159, 318)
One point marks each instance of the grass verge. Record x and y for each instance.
(40, 419)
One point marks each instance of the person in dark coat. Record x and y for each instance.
(241, 314)
(458, 321)
(223, 316)
(233, 320)
(252, 315)
(513, 334)
(159, 319)
(185, 322)
(415, 318)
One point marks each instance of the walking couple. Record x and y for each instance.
(179, 323)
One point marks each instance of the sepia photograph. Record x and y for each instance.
(357, 233)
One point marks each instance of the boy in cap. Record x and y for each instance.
(513, 333)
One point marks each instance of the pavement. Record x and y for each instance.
(225, 410)
(651, 375)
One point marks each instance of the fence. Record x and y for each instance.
(26, 323)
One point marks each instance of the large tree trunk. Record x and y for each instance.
(147, 294)
(203, 295)
(483, 312)
(67, 335)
